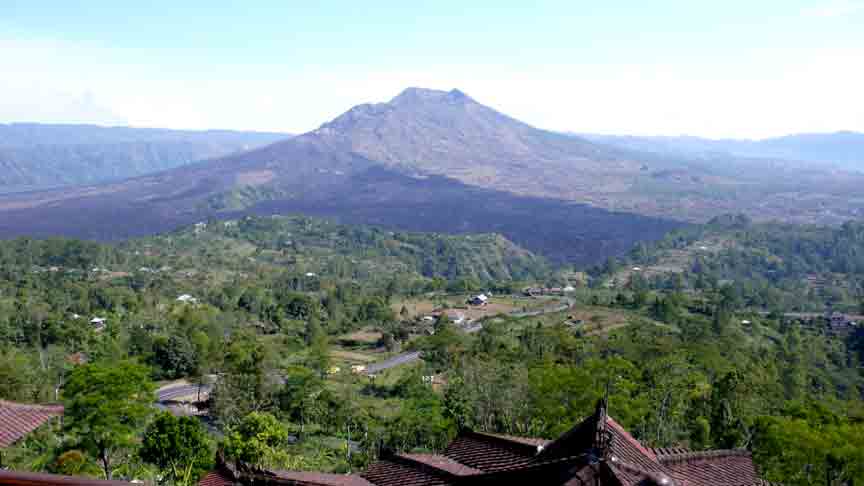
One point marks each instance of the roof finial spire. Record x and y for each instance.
(603, 438)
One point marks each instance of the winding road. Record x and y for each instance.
(173, 392)
(470, 328)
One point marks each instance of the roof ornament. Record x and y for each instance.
(602, 435)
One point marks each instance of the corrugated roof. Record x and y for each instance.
(18, 419)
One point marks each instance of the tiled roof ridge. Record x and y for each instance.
(22, 478)
(577, 457)
(539, 463)
(419, 458)
(590, 422)
(309, 478)
(632, 440)
(423, 467)
(48, 408)
(532, 441)
(694, 456)
(656, 478)
(505, 439)
(521, 448)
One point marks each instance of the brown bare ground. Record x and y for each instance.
(362, 336)
(352, 356)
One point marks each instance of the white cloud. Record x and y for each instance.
(761, 94)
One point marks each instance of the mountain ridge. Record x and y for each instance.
(442, 161)
(841, 149)
(34, 156)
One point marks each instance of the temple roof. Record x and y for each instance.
(597, 451)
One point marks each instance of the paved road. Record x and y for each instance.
(397, 360)
(546, 310)
(812, 315)
(473, 327)
(179, 391)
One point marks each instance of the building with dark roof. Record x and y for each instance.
(596, 452)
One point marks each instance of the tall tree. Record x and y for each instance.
(106, 406)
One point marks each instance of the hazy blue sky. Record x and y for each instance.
(731, 68)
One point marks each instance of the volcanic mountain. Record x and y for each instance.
(427, 160)
(432, 160)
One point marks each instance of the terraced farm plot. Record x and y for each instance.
(674, 260)
(346, 356)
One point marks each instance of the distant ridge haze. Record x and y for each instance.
(843, 149)
(34, 156)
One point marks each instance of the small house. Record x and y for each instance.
(479, 300)
(187, 299)
(455, 317)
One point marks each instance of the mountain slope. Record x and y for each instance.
(362, 253)
(440, 161)
(425, 131)
(36, 155)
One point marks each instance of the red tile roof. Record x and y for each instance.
(662, 452)
(488, 452)
(629, 450)
(301, 478)
(18, 420)
(394, 471)
(708, 468)
(217, 478)
(16, 478)
(443, 463)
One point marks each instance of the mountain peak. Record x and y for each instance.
(414, 95)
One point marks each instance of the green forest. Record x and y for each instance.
(697, 348)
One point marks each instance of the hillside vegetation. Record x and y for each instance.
(361, 253)
(772, 266)
(278, 308)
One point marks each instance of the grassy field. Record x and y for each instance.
(504, 304)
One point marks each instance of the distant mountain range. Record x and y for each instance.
(440, 161)
(839, 149)
(36, 156)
